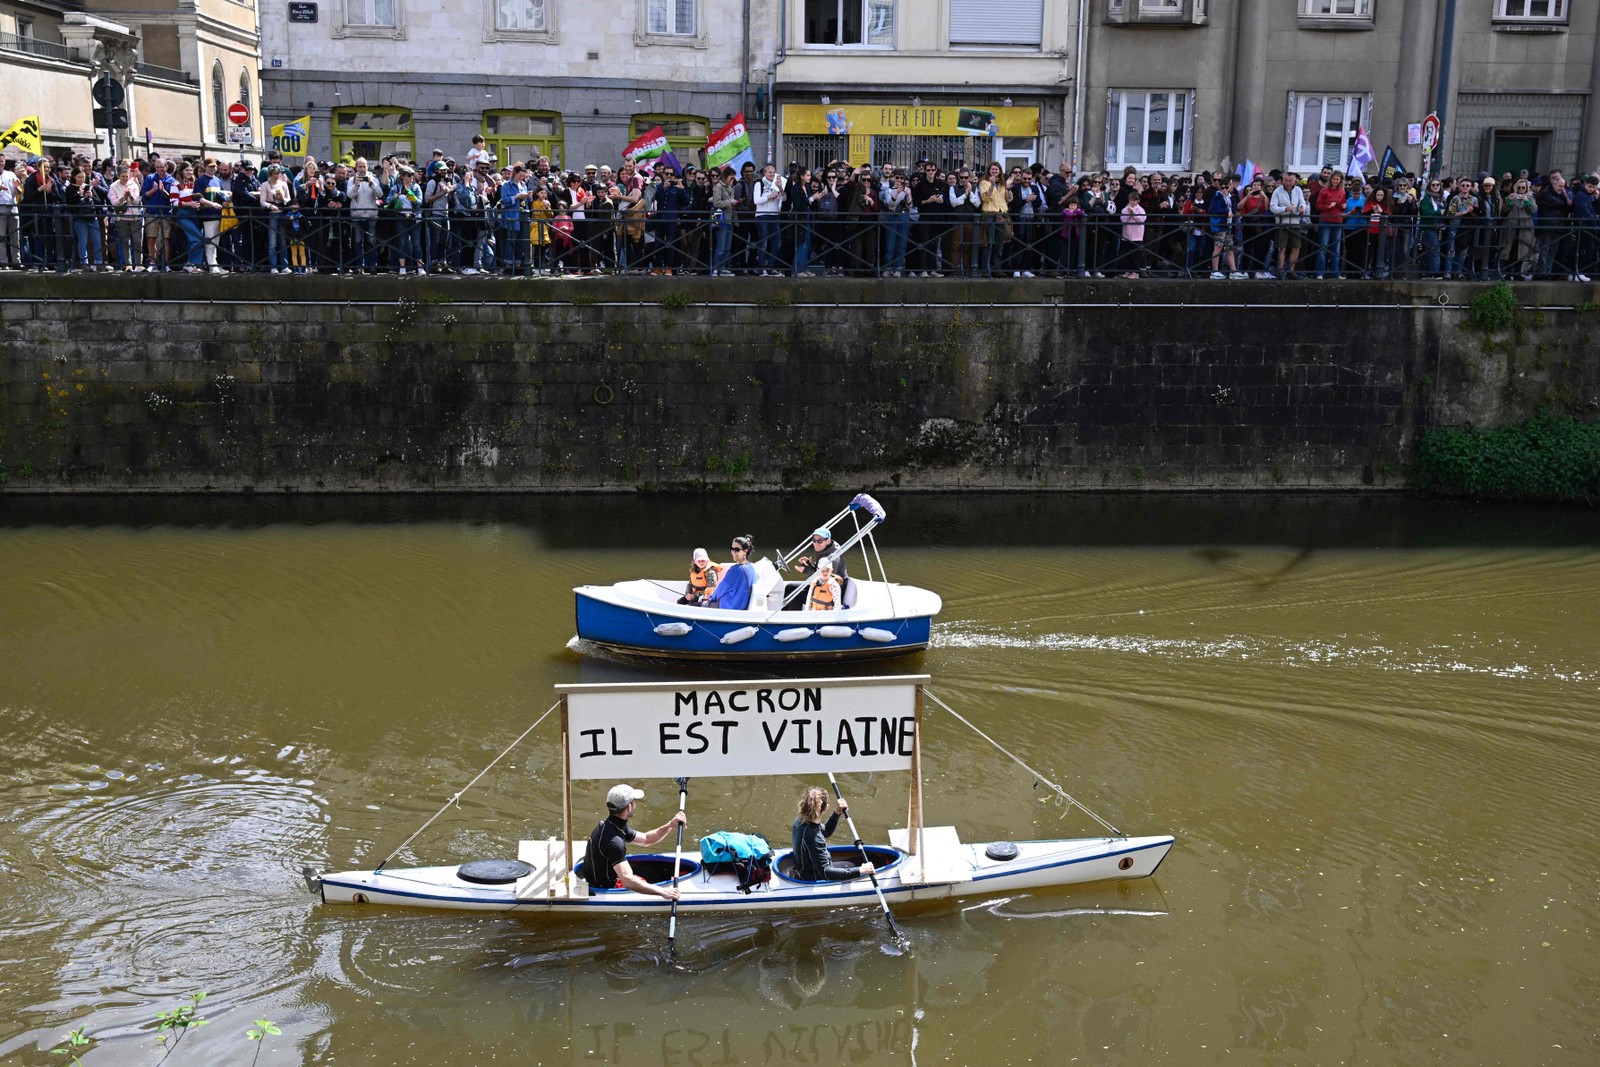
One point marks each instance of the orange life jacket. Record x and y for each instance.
(822, 595)
(701, 580)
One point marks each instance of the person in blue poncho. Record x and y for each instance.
(738, 581)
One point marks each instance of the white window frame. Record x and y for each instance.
(546, 34)
(1520, 11)
(530, 15)
(644, 36)
(1296, 120)
(1116, 154)
(669, 10)
(219, 100)
(343, 26)
(1337, 9)
(1156, 12)
(868, 7)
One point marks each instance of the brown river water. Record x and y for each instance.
(1370, 723)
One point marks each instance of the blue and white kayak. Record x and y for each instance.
(539, 882)
(642, 618)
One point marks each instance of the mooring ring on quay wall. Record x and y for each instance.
(603, 394)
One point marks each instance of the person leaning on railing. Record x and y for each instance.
(1554, 203)
(994, 202)
(11, 180)
(1584, 222)
(364, 193)
(724, 199)
(186, 214)
(85, 206)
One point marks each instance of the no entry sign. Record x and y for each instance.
(239, 113)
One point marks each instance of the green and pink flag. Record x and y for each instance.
(730, 146)
(650, 150)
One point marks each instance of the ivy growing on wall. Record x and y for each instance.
(1549, 457)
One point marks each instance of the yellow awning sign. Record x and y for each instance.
(947, 120)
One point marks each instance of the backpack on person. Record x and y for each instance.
(747, 857)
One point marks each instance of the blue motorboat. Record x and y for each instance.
(876, 619)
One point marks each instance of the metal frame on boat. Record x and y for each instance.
(878, 618)
(742, 728)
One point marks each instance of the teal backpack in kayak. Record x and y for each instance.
(747, 857)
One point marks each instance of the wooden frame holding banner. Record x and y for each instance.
(727, 729)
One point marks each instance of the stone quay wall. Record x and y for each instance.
(183, 383)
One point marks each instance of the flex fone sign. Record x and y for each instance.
(725, 729)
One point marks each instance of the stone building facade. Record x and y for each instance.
(179, 63)
(1159, 84)
(572, 81)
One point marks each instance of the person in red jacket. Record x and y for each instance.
(1328, 207)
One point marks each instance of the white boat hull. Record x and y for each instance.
(945, 871)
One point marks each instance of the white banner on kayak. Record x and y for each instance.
(728, 729)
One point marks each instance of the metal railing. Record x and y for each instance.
(167, 74)
(12, 42)
(62, 237)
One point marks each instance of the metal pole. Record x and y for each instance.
(111, 115)
(1441, 93)
(566, 792)
(1077, 86)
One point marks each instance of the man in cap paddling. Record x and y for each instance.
(605, 864)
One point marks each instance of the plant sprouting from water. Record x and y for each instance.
(177, 1023)
(263, 1029)
(72, 1045)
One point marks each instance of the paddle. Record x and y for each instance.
(903, 941)
(677, 864)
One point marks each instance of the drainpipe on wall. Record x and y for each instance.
(1077, 86)
(744, 65)
(772, 79)
(1442, 93)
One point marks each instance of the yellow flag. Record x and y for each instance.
(25, 135)
(290, 138)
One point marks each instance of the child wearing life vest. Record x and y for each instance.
(702, 579)
(825, 595)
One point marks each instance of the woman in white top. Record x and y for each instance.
(128, 211)
(10, 232)
(276, 196)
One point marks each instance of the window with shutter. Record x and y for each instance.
(1017, 23)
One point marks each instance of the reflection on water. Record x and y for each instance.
(1370, 723)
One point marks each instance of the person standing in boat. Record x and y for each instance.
(605, 864)
(823, 547)
(809, 838)
(738, 581)
(702, 579)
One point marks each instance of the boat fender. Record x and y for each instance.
(493, 872)
(743, 633)
(872, 633)
(1001, 850)
(835, 632)
(673, 629)
(795, 633)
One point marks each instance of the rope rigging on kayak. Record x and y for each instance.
(469, 785)
(1062, 796)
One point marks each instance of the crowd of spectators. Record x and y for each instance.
(480, 215)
